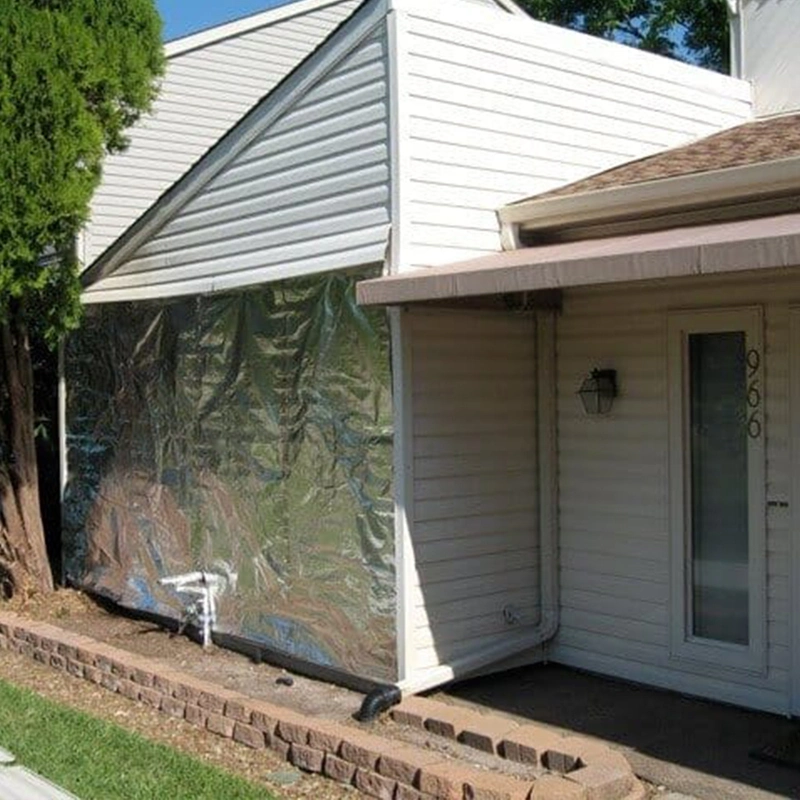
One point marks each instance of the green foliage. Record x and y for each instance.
(689, 30)
(73, 75)
(99, 761)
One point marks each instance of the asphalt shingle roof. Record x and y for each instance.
(751, 143)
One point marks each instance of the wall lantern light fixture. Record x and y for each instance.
(598, 391)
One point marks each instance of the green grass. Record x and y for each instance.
(99, 761)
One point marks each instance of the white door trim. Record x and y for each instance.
(794, 500)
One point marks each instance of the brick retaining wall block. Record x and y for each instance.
(379, 767)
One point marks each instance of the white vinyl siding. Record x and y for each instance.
(771, 58)
(474, 530)
(205, 91)
(309, 194)
(614, 490)
(500, 108)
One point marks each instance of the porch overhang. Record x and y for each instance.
(752, 244)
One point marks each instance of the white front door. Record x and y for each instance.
(717, 511)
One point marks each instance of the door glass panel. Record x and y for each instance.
(719, 487)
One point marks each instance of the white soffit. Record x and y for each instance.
(764, 243)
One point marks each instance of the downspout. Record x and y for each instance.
(385, 697)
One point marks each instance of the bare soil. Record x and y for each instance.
(75, 611)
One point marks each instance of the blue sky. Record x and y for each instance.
(187, 16)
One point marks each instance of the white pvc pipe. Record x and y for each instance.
(205, 585)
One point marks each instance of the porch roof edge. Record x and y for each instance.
(753, 244)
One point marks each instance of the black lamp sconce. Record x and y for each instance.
(598, 391)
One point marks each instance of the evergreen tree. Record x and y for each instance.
(689, 30)
(74, 74)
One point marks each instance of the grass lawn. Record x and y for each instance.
(99, 761)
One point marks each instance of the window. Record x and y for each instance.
(716, 405)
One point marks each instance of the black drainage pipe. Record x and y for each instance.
(378, 701)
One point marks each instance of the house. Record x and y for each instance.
(380, 496)
(669, 287)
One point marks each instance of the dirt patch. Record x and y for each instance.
(75, 611)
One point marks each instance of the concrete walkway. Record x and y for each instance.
(18, 783)
(694, 747)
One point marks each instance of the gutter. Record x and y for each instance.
(702, 189)
(384, 697)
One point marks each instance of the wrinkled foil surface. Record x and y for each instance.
(247, 434)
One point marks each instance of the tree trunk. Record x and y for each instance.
(24, 567)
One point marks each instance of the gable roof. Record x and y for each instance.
(289, 8)
(211, 81)
(238, 138)
(245, 131)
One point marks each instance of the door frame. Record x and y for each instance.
(794, 506)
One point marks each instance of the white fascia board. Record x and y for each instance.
(217, 33)
(255, 122)
(446, 9)
(651, 197)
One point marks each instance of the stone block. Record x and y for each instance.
(150, 697)
(554, 787)
(407, 793)
(219, 724)
(109, 681)
(527, 743)
(238, 710)
(196, 715)
(277, 745)
(486, 732)
(363, 749)
(185, 689)
(404, 763)
(445, 780)
(92, 674)
(338, 769)
(175, 708)
(414, 711)
(67, 650)
(495, 786)
(211, 702)
(248, 735)
(603, 782)
(263, 719)
(293, 729)
(326, 736)
(164, 682)
(129, 689)
(375, 785)
(75, 668)
(309, 759)
(57, 661)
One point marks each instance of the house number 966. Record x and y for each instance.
(753, 394)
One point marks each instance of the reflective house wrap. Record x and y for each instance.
(248, 434)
